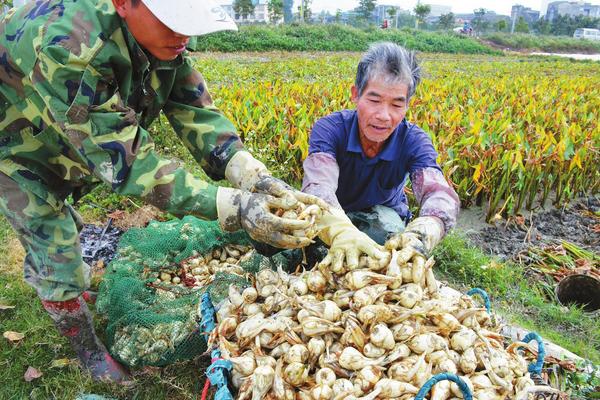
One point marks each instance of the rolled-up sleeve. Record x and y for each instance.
(321, 173)
(435, 196)
(321, 170)
(433, 193)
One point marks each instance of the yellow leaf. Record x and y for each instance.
(575, 161)
(518, 161)
(477, 172)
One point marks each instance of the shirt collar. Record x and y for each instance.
(389, 152)
(142, 59)
(354, 141)
(139, 59)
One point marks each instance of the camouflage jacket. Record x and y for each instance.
(77, 94)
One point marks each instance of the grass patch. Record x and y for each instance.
(335, 38)
(521, 300)
(42, 345)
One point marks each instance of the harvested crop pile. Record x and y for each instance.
(147, 343)
(376, 332)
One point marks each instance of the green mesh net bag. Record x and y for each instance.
(150, 294)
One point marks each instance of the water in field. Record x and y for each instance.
(593, 57)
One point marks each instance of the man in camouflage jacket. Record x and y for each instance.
(80, 82)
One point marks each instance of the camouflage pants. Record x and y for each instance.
(48, 228)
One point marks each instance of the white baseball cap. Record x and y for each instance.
(191, 17)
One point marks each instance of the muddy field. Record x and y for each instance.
(579, 224)
(99, 243)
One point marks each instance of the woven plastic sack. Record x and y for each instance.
(148, 325)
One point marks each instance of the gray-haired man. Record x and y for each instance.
(359, 161)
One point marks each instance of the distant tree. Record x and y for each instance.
(304, 11)
(405, 19)
(522, 26)
(501, 25)
(446, 21)
(566, 25)
(353, 20)
(365, 9)
(324, 16)
(392, 12)
(479, 23)
(542, 26)
(288, 15)
(421, 11)
(275, 8)
(243, 8)
(338, 16)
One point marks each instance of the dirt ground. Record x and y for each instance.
(578, 223)
(99, 243)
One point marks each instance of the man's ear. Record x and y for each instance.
(122, 7)
(354, 91)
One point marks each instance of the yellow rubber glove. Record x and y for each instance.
(345, 241)
(238, 209)
(418, 239)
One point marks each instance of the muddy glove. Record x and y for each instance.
(418, 239)
(345, 241)
(237, 209)
(247, 173)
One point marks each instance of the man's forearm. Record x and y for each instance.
(321, 173)
(435, 195)
(209, 136)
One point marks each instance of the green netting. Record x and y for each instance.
(154, 324)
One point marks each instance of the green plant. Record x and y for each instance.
(584, 383)
(332, 37)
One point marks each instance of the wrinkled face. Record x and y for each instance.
(381, 108)
(149, 32)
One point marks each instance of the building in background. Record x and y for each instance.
(572, 8)
(491, 17)
(530, 16)
(544, 7)
(288, 14)
(259, 16)
(438, 10)
(382, 13)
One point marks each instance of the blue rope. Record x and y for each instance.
(536, 368)
(444, 377)
(484, 295)
(207, 311)
(218, 371)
